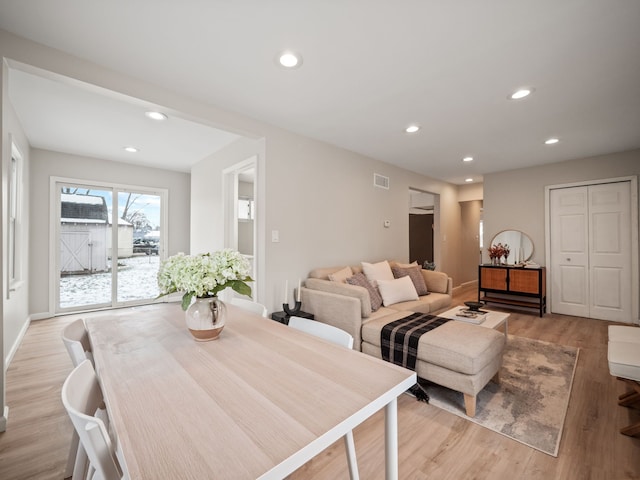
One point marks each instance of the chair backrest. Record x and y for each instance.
(81, 397)
(76, 340)
(249, 305)
(322, 330)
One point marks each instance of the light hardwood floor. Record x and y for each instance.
(433, 444)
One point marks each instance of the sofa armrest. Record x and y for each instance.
(344, 289)
(438, 282)
(341, 311)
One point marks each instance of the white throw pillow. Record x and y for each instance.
(377, 271)
(341, 275)
(396, 291)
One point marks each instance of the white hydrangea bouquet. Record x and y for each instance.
(204, 275)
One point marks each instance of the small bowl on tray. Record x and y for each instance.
(474, 305)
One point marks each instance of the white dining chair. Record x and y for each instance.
(322, 330)
(76, 340)
(81, 397)
(250, 305)
(339, 337)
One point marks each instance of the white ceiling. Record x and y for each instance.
(371, 67)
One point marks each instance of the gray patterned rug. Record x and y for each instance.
(531, 401)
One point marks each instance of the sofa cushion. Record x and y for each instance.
(377, 271)
(341, 275)
(436, 281)
(397, 290)
(360, 280)
(323, 273)
(414, 274)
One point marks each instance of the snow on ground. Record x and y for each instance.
(137, 280)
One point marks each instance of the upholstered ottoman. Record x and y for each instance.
(623, 355)
(456, 355)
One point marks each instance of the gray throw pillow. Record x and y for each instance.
(360, 280)
(415, 275)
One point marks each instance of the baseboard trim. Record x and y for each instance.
(464, 285)
(4, 418)
(16, 344)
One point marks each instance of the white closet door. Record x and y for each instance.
(610, 251)
(591, 251)
(570, 251)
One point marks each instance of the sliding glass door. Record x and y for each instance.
(106, 260)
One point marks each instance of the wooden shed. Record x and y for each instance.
(83, 234)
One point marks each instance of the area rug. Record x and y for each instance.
(531, 401)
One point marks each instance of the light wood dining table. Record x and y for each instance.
(258, 402)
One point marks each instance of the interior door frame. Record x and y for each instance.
(230, 206)
(635, 266)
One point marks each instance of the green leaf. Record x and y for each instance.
(241, 287)
(186, 300)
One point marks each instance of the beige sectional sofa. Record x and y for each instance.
(457, 355)
(348, 306)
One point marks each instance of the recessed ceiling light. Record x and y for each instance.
(468, 180)
(551, 141)
(467, 159)
(521, 93)
(156, 115)
(131, 149)
(412, 128)
(289, 59)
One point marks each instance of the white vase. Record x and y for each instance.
(205, 318)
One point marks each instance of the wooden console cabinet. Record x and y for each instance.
(524, 287)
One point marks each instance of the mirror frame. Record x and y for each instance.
(513, 259)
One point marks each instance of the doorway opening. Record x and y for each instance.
(422, 211)
(241, 193)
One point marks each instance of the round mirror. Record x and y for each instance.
(520, 245)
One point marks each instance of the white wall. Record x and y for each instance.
(514, 199)
(470, 191)
(319, 197)
(322, 201)
(45, 164)
(16, 303)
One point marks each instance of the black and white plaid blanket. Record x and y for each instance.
(399, 342)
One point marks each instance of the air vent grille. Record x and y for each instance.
(380, 181)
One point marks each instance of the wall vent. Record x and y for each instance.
(380, 181)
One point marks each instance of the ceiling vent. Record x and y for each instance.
(380, 181)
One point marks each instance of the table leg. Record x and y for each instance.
(391, 440)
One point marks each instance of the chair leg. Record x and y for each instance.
(351, 456)
(73, 452)
(632, 430)
(627, 399)
(81, 467)
(630, 397)
(77, 462)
